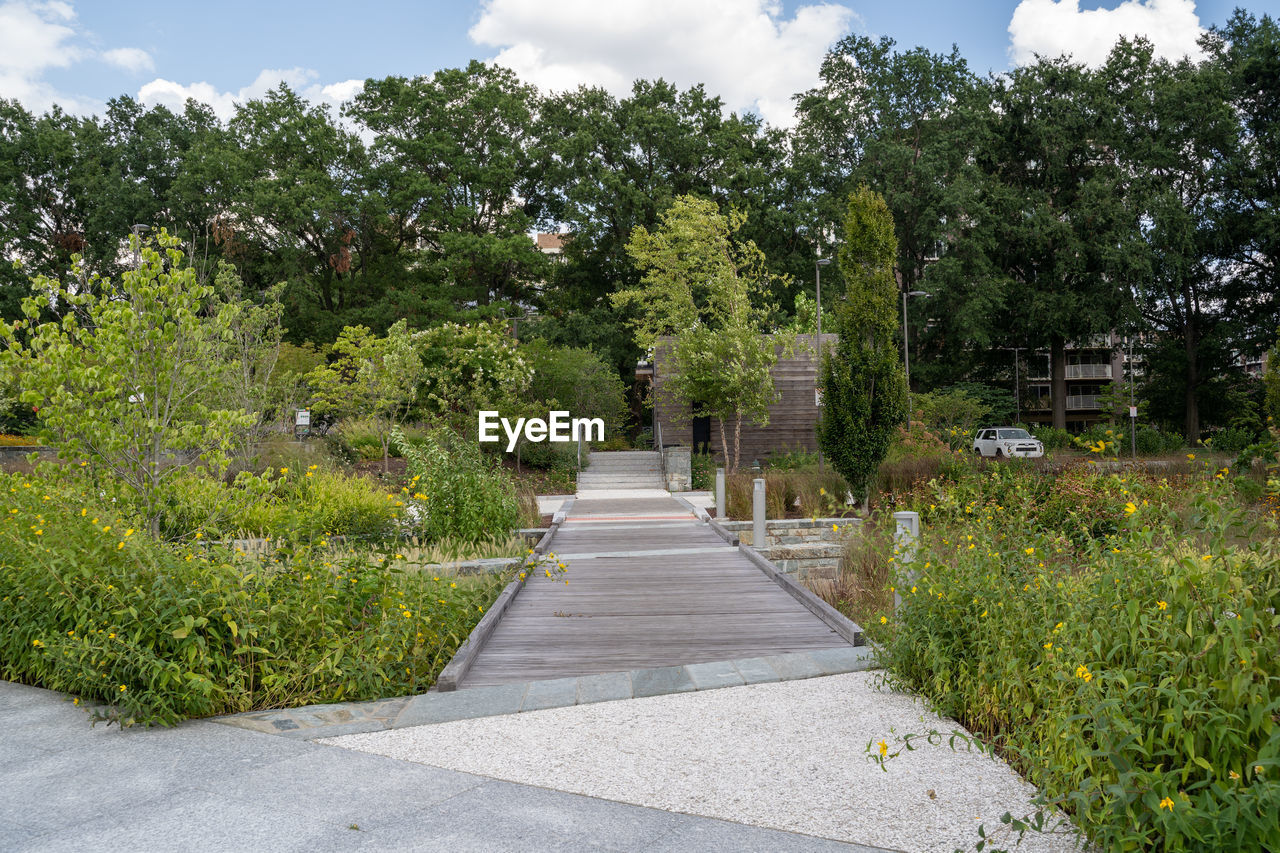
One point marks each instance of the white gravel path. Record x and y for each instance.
(787, 756)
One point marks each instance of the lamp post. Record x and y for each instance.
(818, 264)
(138, 230)
(1133, 411)
(906, 347)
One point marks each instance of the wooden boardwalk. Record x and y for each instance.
(649, 586)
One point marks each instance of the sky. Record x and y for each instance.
(754, 54)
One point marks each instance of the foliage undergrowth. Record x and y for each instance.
(155, 633)
(1114, 635)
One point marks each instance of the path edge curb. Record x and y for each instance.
(460, 664)
(837, 621)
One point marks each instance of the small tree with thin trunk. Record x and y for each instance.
(708, 293)
(130, 376)
(864, 387)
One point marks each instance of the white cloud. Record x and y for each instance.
(302, 80)
(133, 59)
(34, 37)
(1055, 27)
(742, 50)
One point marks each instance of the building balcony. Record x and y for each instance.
(1077, 402)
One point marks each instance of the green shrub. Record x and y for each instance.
(457, 493)
(1153, 442)
(159, 633)
(1231, 440)
(550, 457)
(1051, 437)
(793, 459)
(1132, 674)
(702, 471)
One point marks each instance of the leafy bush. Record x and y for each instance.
(703, 471)
(1051, 437)
(1132, 674)
(1231, 440)
(457, 493)
(1153, 442)
(550, 457)
(793, 459)
(159, 633)
(801, 493)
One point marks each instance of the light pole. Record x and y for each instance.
(138, 231)
(818, 264)
(1133, 412)
(906, 347)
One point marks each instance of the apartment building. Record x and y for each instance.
(1091, 365)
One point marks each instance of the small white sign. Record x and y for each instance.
(817, 396)
(1133, 412)
(303, 418)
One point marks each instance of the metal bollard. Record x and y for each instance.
(906, 532)
(757, 513)
(719, 493)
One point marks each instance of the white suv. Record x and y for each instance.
(1007, 441)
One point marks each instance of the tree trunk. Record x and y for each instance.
(1058, 380)
(1192, 425)
(724, 446)
(737, 439)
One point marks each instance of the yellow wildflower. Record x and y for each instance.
(1166, 803)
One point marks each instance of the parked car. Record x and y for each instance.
(1001, 442)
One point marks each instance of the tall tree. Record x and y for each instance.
(1037, 258)
(1172, 122)
(863, 383)
(454, 157)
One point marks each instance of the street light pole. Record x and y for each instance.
(906, 347)
(818, 264)
(1133, 413)
(138, 230)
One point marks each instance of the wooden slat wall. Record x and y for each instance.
(792, 418)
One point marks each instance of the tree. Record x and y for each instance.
(1041, 253)
(128, 377)
(371, 377)
(708, 293)
(453, 156)
(468, 367)
(863, 384)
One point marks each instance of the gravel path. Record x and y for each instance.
(788, 756)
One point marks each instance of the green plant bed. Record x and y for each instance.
(163, 632)
(1113, 634)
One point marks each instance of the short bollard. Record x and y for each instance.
(906, 532)
(719, 493)
(757, 514)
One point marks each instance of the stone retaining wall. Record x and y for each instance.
(806, 547)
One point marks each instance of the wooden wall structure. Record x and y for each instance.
(792, 418)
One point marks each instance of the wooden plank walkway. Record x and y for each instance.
(649, 586)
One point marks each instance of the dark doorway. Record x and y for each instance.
(701, 434)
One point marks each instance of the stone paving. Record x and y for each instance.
(321, 721)
(200, 786)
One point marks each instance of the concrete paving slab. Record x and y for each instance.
(735, 838)
(604, 688)
(462, 704)
(711, 676)
(791, 667)
(660, 681)
(554, 693)
(191, 819)
(836, 661)
(341, 789)
(756, 670)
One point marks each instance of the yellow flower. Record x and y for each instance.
(1082, 672)
(1129, 508)
(1048, 645)
(453, 586)
(884, 620)
(1166, 803)
(1191, 456)
(129, 532)
(835, 527)
(111, 636)
(884, 749)
(284, 470)
(1030, 551)
(1235, 777)
(123, 688)
(1163, 605)
(984, 613)
(37, 643)
(120, 545)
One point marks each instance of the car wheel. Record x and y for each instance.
(977, 451)
(999, 453)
